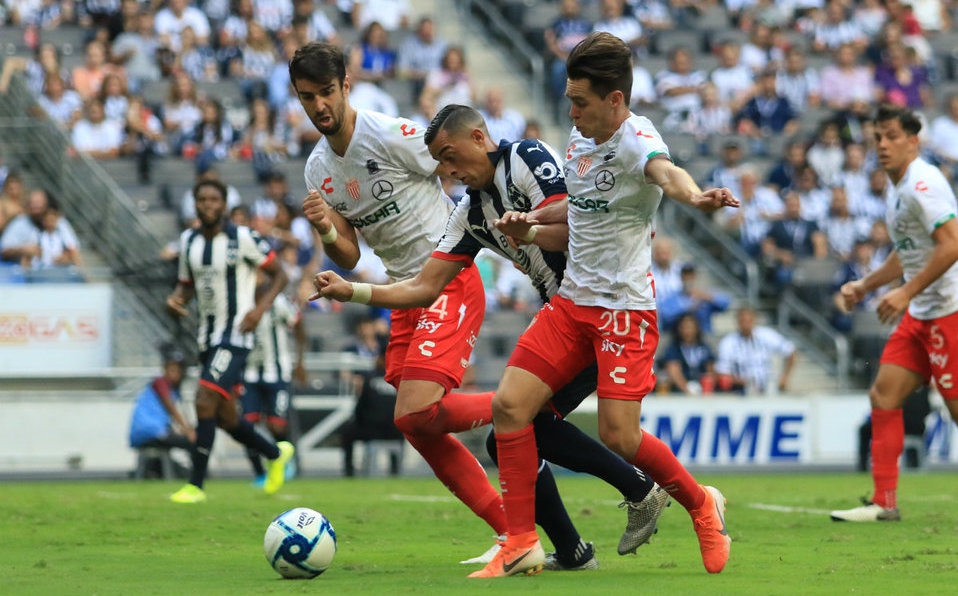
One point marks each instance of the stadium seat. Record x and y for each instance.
(147, 456)
(374, 449)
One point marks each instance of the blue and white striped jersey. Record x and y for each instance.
(528, 176)
(222, 271)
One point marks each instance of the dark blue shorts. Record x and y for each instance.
(222, 368)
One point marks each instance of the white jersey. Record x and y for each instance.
(751, 357)
(270, 360)
(222, 271)
(915, 207)
(386, 188)
(528, 176)
(611, 211)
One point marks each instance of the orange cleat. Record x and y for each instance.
(521, 553)
(709, 522)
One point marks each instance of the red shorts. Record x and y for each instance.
(435, 343)
(564, 338)
(927, 347)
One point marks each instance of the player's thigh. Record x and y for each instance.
(445, 332)
(575, 391)
(624, 342)
(892, 386)
(940, 339)
(251, 400)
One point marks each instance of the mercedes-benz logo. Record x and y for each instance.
(604, 180)
(382, 190)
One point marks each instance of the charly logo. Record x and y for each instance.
(382, 190)
(604, 180)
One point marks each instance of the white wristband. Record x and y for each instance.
(530, 235)
(362, 293)
(330, 236)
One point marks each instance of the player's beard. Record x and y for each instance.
(335, 126)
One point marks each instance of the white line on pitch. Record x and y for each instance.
(786, 509)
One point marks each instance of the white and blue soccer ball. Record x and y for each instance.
(300, 543)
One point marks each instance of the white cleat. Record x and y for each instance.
(588, 559)
(487, 556)
(869, 512)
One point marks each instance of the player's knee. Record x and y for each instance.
(883, 399)
(621, 440)
(423, 422)
(510, 410)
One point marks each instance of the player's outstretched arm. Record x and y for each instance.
(524, 228)
(337, 235)
(677, 184)
(421, 290)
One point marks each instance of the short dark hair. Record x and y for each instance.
(209, 182)
(909, 121)
(318, 62)
(605, 61)
(454, 118)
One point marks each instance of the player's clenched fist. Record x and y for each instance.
(330, 285)
(316, 210)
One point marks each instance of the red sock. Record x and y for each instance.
(888, 440)
(518, 467)
(658, 461)
(465, 411)
(462, 474)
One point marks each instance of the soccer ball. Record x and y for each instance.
(300, 543)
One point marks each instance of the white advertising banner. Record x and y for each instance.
(54, 328)
(736, 431)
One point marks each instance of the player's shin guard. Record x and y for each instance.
(660, 463)
(888, 440)
(462, 474)
(245, 434)
(205, 433)
(551, 514)
(562, 443)
(518, 460)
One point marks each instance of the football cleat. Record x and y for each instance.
(643, 519)
(488, 555)
(709, 522)
(588, 561)
(521, 553)
(868, 512)
(276, 474)
(190, 493)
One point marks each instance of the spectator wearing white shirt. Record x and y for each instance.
(501, 121)
(745, 357)
(275, 16)
(855, 179)
(944, 136)
(31, 239)
(837, 30)
(826, 155)
(176, 16)
(666, 269)
(842, 228)
(760, 206)
(678, 88)
(734, 80)
(63, 106)
(798, 82)
(317, 26)
(391, 14)
(643, 87)
(95, 135)
(615, 21)
(760, 52)
(419, 54)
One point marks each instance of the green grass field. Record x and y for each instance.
(407, 535)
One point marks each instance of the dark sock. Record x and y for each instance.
(256, 461)
(205, 433)
(552, 517)
(245, 433)
(562, 443)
